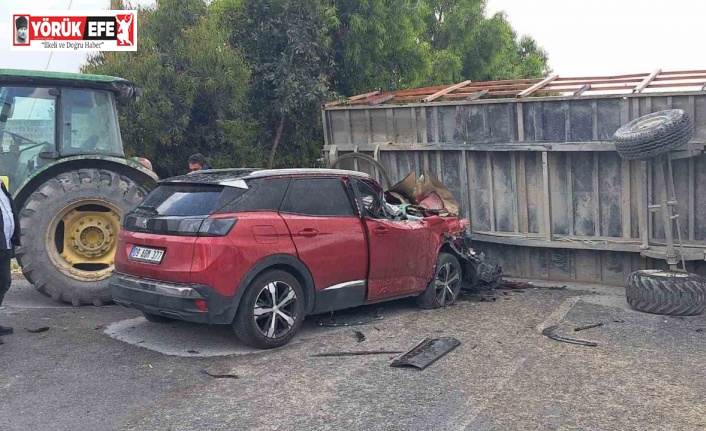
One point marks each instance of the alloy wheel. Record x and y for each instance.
(276, 309)
(447, 279)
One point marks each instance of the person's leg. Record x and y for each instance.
(5, 282)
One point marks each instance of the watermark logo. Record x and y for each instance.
(112, 30)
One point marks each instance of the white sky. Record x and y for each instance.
(582, 37)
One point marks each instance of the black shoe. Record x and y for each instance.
(5, 330)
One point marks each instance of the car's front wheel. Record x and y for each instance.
(271, 310)
(445, 287)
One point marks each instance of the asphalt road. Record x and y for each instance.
(108, 369)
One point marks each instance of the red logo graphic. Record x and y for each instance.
(126, 33)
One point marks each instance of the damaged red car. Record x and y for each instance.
(262, 249)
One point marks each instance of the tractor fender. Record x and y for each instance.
(133, 170)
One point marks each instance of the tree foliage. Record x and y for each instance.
(242, 80)
(194, 89)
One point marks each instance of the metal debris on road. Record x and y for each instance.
(38, 330)
(359, 336)
(220, 376)
(589, 326)
(426, 353)
(337, 324)
(359, 353)
(549, 333)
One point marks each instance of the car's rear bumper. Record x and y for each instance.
(175, 300)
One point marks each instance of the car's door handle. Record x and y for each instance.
(308, 232)
(381, 231)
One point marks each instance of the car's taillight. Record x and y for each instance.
(192, 226)
(217, 226)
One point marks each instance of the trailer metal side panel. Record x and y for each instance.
(545, 192)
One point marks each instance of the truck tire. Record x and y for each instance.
(666, 292)
(69, 231)
(653, 134)
(444, 288)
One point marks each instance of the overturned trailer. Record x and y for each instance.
(534, 169)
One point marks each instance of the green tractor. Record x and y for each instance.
(62, 159)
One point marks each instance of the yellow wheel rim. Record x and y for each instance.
(82, 238)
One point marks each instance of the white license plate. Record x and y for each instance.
(145, 254)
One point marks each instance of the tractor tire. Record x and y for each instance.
(69, 232)
(666, 292)
(653, 134)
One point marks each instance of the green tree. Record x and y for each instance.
(194, 90)
(467, 45)
(288, 46)
(378, 45)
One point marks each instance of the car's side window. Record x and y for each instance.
(262, 195)
(317, 197)
(371, 200)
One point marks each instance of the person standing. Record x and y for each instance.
(9, 238)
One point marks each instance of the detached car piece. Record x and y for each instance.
(261, 249)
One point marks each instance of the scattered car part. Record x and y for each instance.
(549, 333)
(444, 288)
(588, 326)
(359, 353)
(371, 160)
(653, 134)
(426, 353)
(359, 336)
(38, 330)
(666, 292)
(220, 376)
(339, 324)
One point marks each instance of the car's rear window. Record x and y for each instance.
(184, 200)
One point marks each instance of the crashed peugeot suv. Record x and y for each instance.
(262, 249)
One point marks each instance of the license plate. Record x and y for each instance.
(151, 255)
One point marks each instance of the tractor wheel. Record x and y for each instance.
(70, 230)
(666, 292)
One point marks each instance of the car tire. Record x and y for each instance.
(156, 318)
(653, 134)
(666, 292)
(269, 328)
(444, 288)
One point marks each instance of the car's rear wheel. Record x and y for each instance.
(444, 288)
(271, 310)
(155, 318)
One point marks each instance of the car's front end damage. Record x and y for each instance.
(426, 198)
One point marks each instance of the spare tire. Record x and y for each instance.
(666, 292)
(653, 134)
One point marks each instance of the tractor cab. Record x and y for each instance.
(47, 116)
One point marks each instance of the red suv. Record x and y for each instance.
(261, 249)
